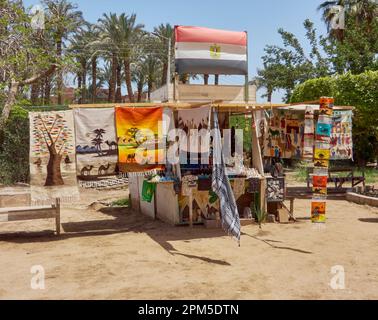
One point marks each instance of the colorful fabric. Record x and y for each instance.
(221, 186)
(210, 51)
(52, 157)
(321, 160)
(341, 135)
(96, 143)
(308, 140)
(148, 191)
(285, 136)
(139, 148)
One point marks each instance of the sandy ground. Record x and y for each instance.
(116, 254)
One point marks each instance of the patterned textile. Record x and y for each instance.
(148, 191)
(52, 157)
(284, 137)
(322, 156)
(221, 186)
(96, 146)
(341, 135)
(138, 138)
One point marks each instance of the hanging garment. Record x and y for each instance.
(221, 186)
(148, 191)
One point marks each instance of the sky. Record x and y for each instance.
(261, 19)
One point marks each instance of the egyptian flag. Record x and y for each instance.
(210, 51)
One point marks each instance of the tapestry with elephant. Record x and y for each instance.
(52, 157)
(96, 143)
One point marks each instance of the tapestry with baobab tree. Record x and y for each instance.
(52, 157)
(140, 134)
(96, 143)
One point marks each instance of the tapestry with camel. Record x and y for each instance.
(52, 157)
(96, 143)
(140, 135)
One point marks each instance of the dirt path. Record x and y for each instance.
(116, 254)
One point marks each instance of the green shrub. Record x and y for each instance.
(14, 148)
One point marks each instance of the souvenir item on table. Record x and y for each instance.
(139, 148)
(321, 163)
(52, 157)
(275, 189)
(96, 143)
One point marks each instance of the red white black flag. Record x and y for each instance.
(210, 51)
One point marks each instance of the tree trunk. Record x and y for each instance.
(164, 76)
(79, 87)
(149, 89)
(269, 94)
(119, 84)
(84, 84)
(11, 99)
(46, 100)
(206, 79)
(54, 175)
(128, 80)
(34, 94)
(216, 79)
(94, 79)
(60, 72)
(140, 91)
(113, 79)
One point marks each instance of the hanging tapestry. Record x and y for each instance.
(52, 157)
(308, 139)
(138, 139)
(284, 138)
(341, 135)
(96, 146)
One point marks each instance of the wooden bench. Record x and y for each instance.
(32, 213)
(337, 180)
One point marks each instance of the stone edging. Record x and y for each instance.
(361, 199)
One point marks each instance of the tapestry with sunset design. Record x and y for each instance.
(138, 133)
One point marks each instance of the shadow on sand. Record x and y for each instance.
(126, 221)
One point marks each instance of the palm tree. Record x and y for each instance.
(109, 41)
(131, 34)
(164, 32)
(63, 20)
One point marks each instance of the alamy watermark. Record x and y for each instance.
(338, 278)
(37, 17)
(37, 281)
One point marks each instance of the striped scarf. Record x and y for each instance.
(221, 186)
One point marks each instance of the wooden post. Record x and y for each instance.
(191, 208)
(57, 215)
